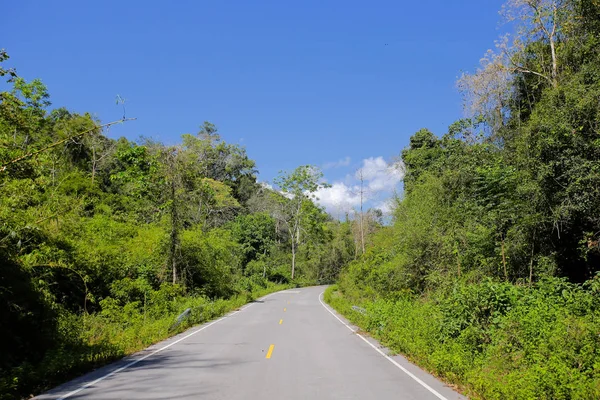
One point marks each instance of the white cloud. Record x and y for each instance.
(266, 185)
(344, 162)
(380, 175)
(338, 198)
(372, 167)
(286, 194)
(386, 206)
(381, 179)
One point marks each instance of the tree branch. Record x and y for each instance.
(32, 154)
(519, 68)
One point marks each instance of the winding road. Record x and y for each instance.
(287, 345)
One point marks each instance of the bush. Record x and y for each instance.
(123, 327)
(496, 340)
(211, 260)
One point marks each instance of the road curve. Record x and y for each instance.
(288, 345)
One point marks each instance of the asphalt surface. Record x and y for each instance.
(288, 345)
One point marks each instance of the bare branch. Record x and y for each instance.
(35, 153)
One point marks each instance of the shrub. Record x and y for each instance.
(495, 339)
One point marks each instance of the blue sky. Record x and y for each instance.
(338, 84)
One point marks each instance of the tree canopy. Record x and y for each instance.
(104, 238)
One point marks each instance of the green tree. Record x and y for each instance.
(419, 156)
(297, 188)
(256, 234)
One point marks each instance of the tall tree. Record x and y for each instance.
(297, 187)
(362, 193)
(541, 22)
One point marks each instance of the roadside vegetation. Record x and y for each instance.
(488, 275)
(104, 242)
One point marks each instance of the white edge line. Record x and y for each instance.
(116, 371)
(419, 381)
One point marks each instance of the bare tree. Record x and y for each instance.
(101, 148)
(361, 178)
(540, 20)
(486, 93)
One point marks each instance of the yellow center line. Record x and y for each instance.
(280, 321)
(270, 351)
(284, 309)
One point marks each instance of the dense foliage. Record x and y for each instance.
(489, 274)
(104, 242)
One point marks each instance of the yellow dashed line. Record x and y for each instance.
(284, 309)
(271, 347)
(280, 321)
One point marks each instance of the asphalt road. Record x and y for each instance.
(288, 345)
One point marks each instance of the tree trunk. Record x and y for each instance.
(531, 269)
(362, 230)
(93, 163)
(531, 261)
(296, 235)
(554, 63)
(174, 265)
(504, 262)
(293, 258)
(553, 46)
(264, 264)
(173, 247)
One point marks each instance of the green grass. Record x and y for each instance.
(493, 340)
(91, 341)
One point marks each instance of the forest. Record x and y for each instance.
(489, 274)
(104, 242)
